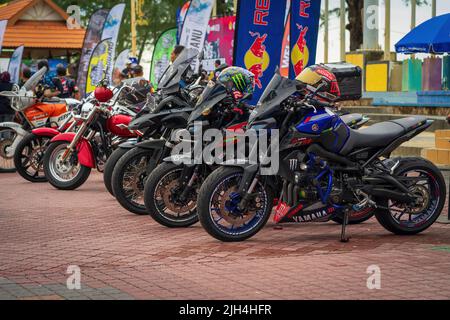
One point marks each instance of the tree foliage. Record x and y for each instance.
(160, 15)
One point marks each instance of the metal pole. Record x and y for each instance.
(326, 31)
(214, 12)
(433, 8)
(133, 27)
(342, 30)
(387, 32)
(413, 13)
(370, 21)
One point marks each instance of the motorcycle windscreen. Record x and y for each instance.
(34, 79)
(212, 95)
(278, 90)
(172, 75)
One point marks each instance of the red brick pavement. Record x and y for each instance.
(43, 231)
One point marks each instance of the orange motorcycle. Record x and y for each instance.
(32, 111)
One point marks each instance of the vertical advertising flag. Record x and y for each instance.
(119, 65)
(305, 17)
(92, 38)
(195, 26)
(161, 54)
(15, 63)
(258, 39)
(99, 65)
(219, 42)
(181, 14)
(286, 50)
(3, 24)
(111, 31)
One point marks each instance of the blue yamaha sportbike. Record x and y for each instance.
(326, 171)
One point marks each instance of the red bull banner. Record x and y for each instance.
(258, 39)
(305, 17)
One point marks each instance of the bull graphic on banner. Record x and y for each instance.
(258, 39)
(257, 59)
(305, 17)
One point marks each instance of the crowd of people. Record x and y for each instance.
(62, 85)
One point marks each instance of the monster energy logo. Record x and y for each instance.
(239, 81)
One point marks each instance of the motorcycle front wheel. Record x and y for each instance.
(29, 155)
(109, 168)
(64, 175)
(218, 206)
(7, 137)
(129, 177)
(162, 197)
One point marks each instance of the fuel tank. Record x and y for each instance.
(114, 122)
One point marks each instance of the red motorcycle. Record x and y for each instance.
(71, 156)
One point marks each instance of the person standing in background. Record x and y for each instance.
(26, 74)
(6, 113)
(65, 85)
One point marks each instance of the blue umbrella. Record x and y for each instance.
(432, 36)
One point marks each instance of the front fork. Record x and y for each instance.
(188, 177)
(80, 133)
(248, 184)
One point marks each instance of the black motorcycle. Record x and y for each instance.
(326, 170)
(170, 95)
(171, 190)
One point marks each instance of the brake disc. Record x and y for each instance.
(4, 145)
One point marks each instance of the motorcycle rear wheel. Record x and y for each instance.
(428, 208)
(55, 170)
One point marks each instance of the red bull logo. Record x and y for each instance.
(257, 59)
(300, 52)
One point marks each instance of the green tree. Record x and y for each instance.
(160, 15)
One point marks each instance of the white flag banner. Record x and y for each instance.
(195, 26)
(111, 31)
(119, 65)
(15, 63)
(3, 24)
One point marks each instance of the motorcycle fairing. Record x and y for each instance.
(85, 153)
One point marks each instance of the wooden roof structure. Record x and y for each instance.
(39, 24)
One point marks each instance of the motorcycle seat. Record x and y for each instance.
(381, 134)
(352, 118)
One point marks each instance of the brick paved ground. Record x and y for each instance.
(123, 256)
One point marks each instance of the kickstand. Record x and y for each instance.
(344, 238)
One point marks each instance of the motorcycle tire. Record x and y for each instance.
(437, 199)
(73, 184)
(118, 177)
(19, 158)
(204, 197)
(109, 168)
(6, 162)
(152, 186)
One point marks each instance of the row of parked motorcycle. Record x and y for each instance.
(331, 168)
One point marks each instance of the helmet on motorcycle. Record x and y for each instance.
(238, 81)
(102, 93)
(317, 75)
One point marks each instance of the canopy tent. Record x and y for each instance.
(432, 36)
